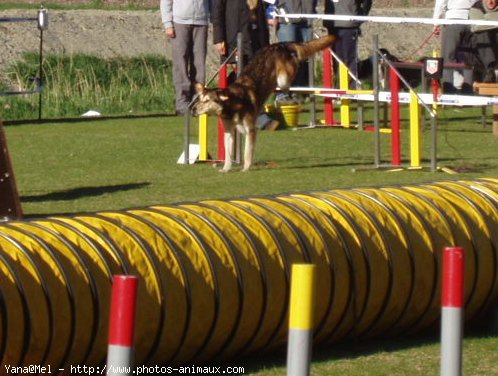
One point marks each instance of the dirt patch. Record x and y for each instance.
(109, 33)
(102, 33)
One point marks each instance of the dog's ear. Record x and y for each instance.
(199, 88)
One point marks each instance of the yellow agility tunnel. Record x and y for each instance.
(214, 275)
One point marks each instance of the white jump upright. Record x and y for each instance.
(452, 311)
(122, 325)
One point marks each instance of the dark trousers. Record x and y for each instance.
(453, 38)
(297, 33)
(485, 43)
(346, 48)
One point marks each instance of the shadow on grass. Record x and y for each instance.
(76, 193)
(352, 349)
(349, 349)
(299, 164)
(460, 166)
(479, 129)
(85, 119)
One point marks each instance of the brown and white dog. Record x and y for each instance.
(240, 104)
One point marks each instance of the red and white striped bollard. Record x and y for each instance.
(452, 311)
(122, 325)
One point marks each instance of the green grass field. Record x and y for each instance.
(78, 166)
(94, 165)
(409, 356)
(68, 167)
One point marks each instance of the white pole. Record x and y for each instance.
(391, 20)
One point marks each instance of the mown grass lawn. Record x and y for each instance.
(407, 356)
(64, 167)
(82, 166)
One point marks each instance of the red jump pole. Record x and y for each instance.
(122, 325)
(452, 303)
(395, 119)
(435, 93)
(328, 106)
(222, 83)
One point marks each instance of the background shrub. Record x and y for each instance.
(75, 84)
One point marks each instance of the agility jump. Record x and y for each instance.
(215, 273)
(345, 95)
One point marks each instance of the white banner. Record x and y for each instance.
(397, 20)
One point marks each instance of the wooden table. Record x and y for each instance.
(490, 89)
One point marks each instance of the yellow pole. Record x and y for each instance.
(203, 137)
(415, 139)
(301, 299)
(301, 319)
(345, 103)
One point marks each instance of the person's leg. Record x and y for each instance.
(463, 47)
(263, 121)
(450, 42)
(295, 33)
(304, 34)
(346, 48)
(487, 52)
(286, 32)
(199, 49)
(197, 66)
(493, 48)
(182, 50)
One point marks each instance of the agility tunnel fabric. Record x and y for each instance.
(214, 275)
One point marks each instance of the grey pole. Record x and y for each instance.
(301, 310)
(42, 25)
(375, 77)
(434, 144)
(240, 66)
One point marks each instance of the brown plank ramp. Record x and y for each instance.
(10, 204)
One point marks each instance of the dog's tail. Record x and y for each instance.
(308, 49)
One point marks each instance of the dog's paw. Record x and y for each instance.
(247, 166)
